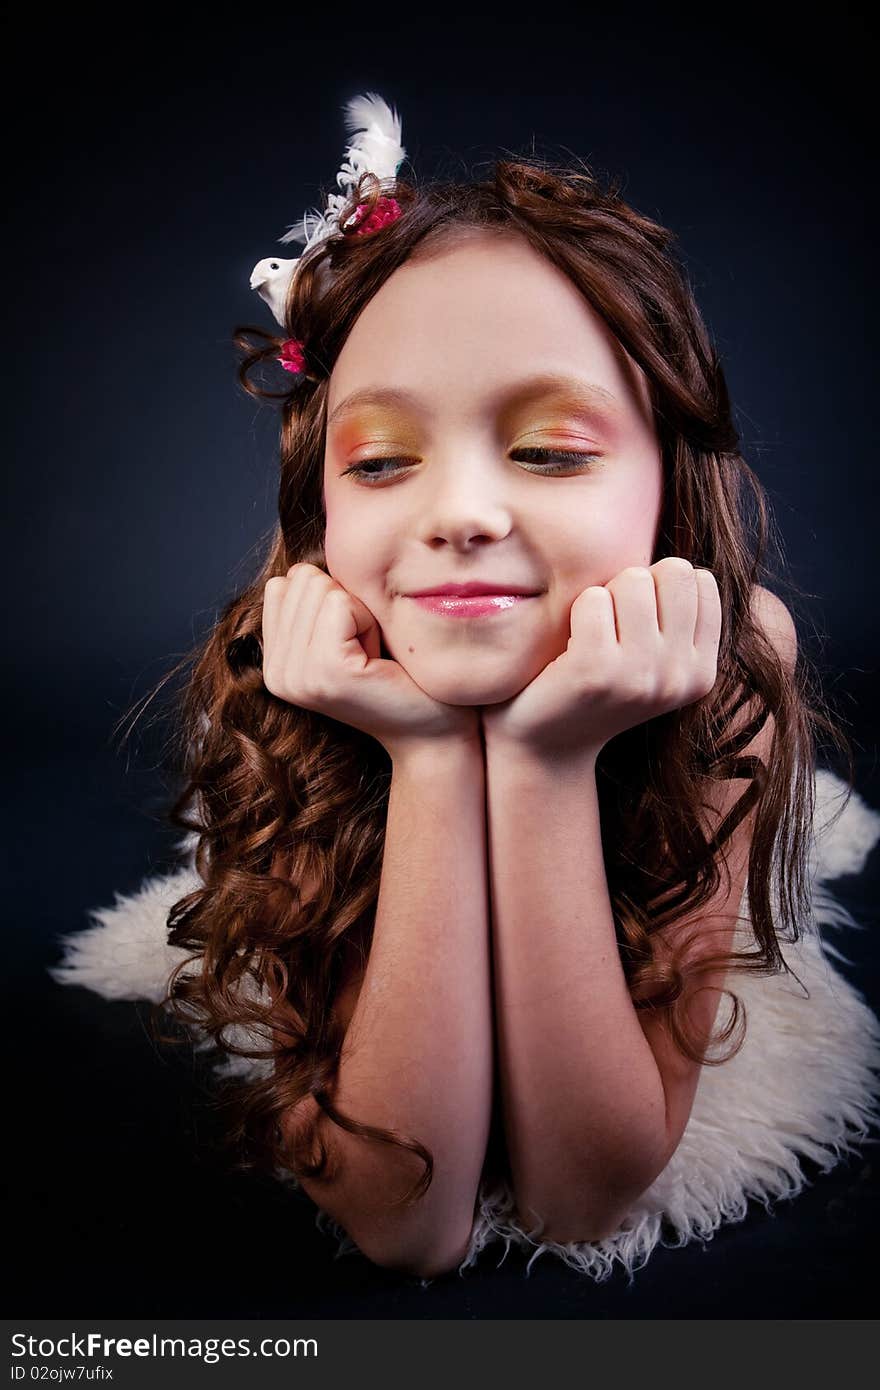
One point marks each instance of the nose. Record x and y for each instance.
(466, 505)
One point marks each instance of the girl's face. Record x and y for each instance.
(455, 369)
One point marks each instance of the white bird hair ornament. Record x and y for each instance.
(376, 149)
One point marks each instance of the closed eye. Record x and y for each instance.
(546, 455)
(553, 460)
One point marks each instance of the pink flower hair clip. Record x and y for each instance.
(386, 210)
(292, 356)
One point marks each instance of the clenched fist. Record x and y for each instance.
(642, 644)
(321, 650)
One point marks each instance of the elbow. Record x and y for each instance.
(580, 1229)
(426, 1261)
(582, 1214)
(599, 1229)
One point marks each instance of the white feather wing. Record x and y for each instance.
(377, 148)
(378, 128)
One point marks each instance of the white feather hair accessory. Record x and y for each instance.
(376, 149)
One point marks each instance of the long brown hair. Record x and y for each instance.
(265, 783)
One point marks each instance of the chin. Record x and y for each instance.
(465, 687)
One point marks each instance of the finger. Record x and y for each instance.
(344, 624)
(366, 627)
(677, 600)
(276, 600)
(273, 592)
(307, 589)
(592, 621)
(312, 605)
(707, 630)
(635, 605)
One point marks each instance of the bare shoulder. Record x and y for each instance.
(776, 620)
(773, 617)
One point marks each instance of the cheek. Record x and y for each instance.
(614, 532)
(354, 551)
(343, 535)
(340, 544)
(629, 537)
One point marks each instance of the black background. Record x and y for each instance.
(153, 157)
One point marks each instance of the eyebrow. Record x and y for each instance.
(586, 394)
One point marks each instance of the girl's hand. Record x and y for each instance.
(642, 644)
(321, 650)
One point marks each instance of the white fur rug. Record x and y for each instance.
(805, 1084)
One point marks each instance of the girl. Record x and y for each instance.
(500, 774)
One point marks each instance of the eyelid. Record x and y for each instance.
(547, 465)
(560, 439)
(562, 417)
(562, 436)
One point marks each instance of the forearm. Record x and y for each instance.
(582, 1096)
(417, 1057)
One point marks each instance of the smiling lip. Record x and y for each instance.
(472, 589)
(473, 606)
(474, 599)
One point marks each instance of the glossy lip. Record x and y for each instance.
(472, 606)
(473, 589)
